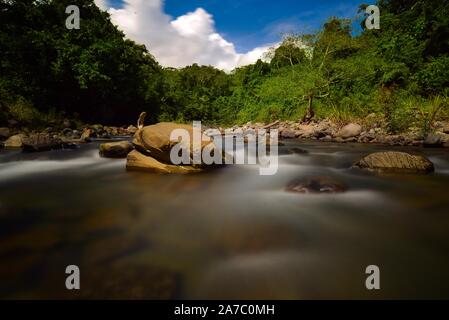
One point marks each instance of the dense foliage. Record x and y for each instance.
(93, 72)
(400, 72)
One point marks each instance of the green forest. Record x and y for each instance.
(400, 72)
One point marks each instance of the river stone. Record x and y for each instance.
(136, 161)
(86, 136)
(315, 185)
(131, 130)
(297, 151)
(397, 162)
(432, 140)
(116, 149)
(41, 142)
(15, 141)
(155, 142)
(350, 131)
(288, 134)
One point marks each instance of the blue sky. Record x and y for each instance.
(251, 23)
(222, 33)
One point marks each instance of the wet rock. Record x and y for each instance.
(351, 140)
(15, 141)
(395, 162)
(349, 131)
(315, 185)
(41, 142)
(433, 141)
(131, 130)
(305, 131)
(155, 141)
(297, 151)
(86, 136)
(4, 133)
(326, 139)
(116, 149)
(287, 134)
(136, 161)
(67, 132)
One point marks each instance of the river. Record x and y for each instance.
(225, 234)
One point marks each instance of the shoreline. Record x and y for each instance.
(317, 131)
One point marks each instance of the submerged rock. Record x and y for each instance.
(116, 149)
(136, 161)
(316, 185)
(396, 162)
(41, 142)
(297, 151)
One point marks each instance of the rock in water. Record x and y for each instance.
(155, 142)
(136, 161)
(116, 149)
(395, 162)
(41, 142)
(15, 141)
(315, 185)
(131, 130)
(349, 131)
(288, 134)
(297, 151)
(433, 141)
(86, 136)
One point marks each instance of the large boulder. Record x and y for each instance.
(116, 149)
(395, 162)
(154, 140)
(41, 142)
(136, 161)
(349, 131)
(315, 185)
(15, 141)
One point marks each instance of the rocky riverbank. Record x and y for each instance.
(374, 133)
(68, 136)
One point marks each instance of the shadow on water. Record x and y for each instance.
(229, 233)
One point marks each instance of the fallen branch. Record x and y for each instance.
(268, 126)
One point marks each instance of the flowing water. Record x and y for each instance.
(229, 233)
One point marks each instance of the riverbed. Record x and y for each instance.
(224, 234)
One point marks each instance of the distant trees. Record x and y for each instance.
(93, 72)
(398, 72)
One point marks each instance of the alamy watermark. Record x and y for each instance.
(73, 20)
(214, 148)
(373, 17)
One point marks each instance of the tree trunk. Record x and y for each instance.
(310, 113)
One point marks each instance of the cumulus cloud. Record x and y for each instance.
(190, 38)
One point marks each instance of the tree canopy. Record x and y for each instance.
(98, 75)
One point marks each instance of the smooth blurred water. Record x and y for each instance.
(229, 233)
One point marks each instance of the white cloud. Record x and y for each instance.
(190, 38)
